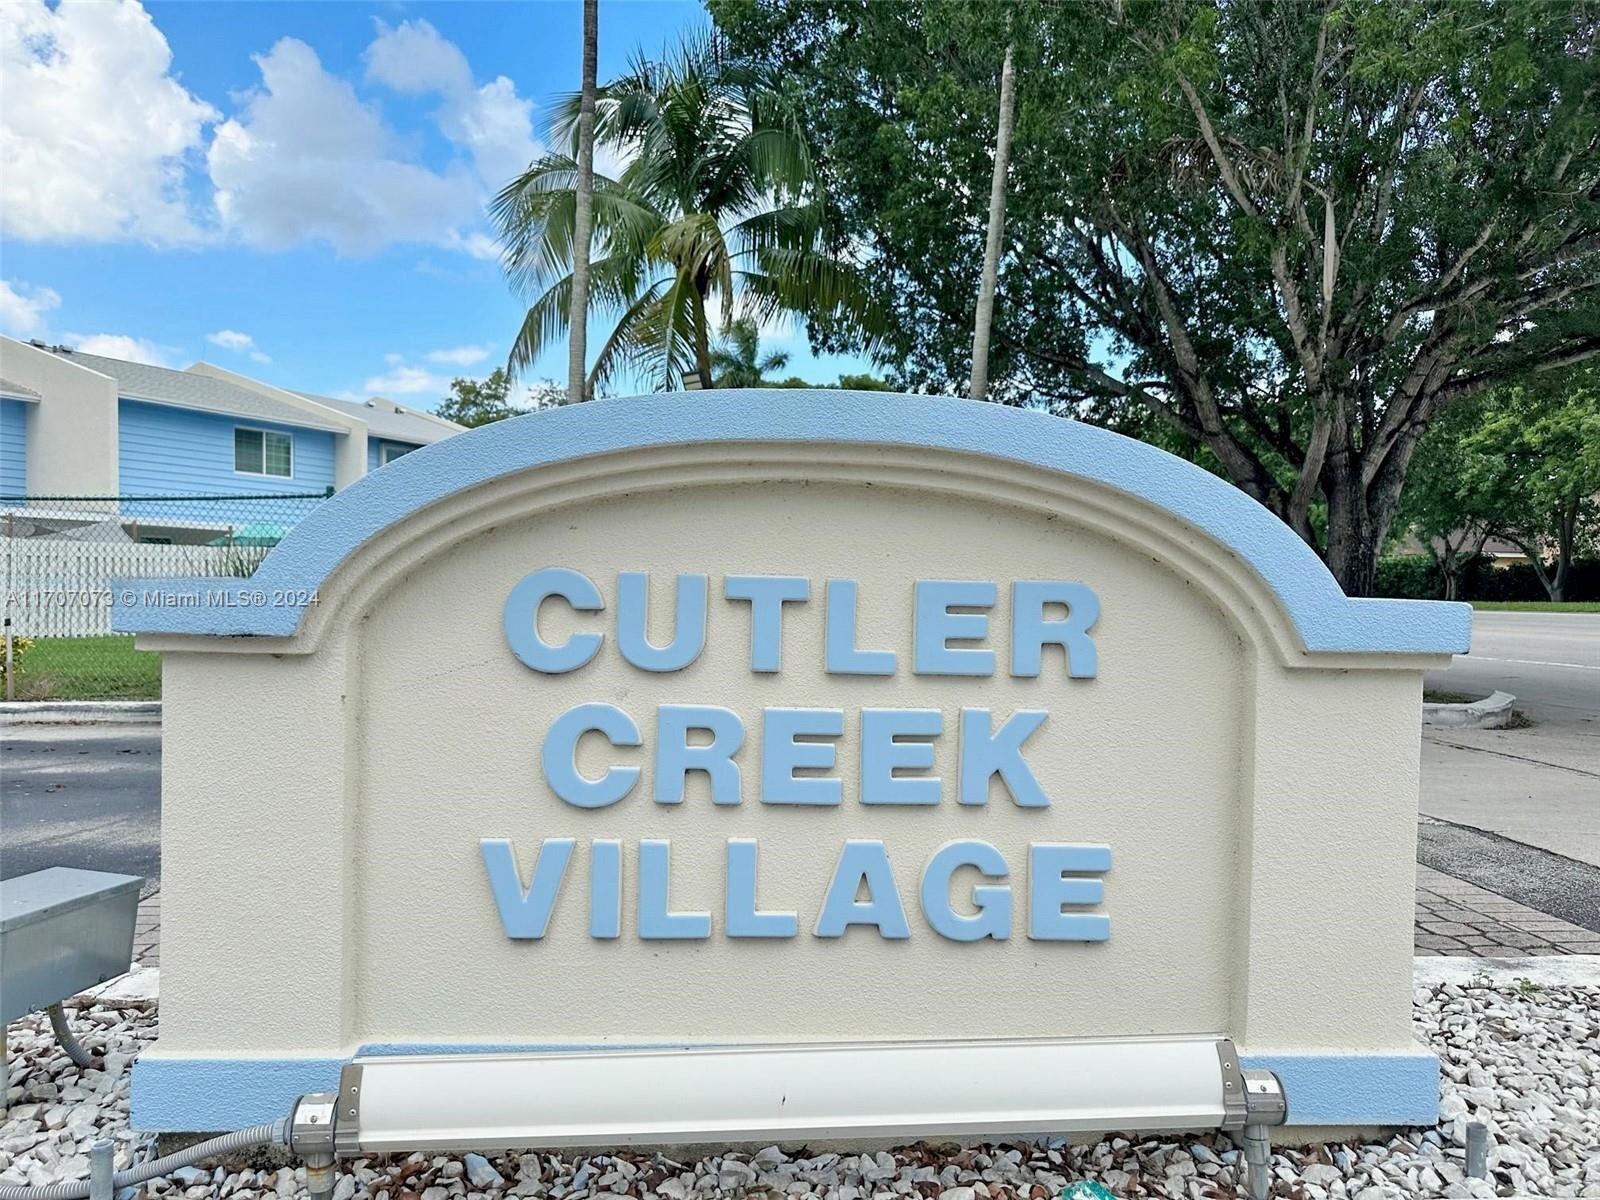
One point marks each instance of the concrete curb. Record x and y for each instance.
(81, 712)
(1490, 713)
(1548, 970)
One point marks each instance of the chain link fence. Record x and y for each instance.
(59, 556)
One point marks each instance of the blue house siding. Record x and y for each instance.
(166, 451)
(13, 447)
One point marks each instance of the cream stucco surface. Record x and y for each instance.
(1259, 802)
(72, 440)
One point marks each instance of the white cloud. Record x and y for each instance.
(478, 245)
(459, 356)
(23, 308)
(491, 122)
(308, 160)
(119, 345)
(414, 58)
(401, 380)
(95, 129)
(101, 141)
(241, 343)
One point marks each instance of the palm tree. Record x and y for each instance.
(717, 207)
(738, 361)
(583, 207)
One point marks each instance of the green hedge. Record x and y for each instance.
(1414, 576)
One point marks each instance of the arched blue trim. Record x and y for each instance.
(1325, 618)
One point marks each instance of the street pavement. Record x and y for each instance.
(81, 796)
(1538, 786)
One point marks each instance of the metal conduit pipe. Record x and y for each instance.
(258, 1135)
(75, 1049)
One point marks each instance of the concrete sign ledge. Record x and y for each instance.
(1490, 713)
(81, 712)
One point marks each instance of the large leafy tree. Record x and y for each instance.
(474, 402)
(716, 215)
(1534, 463)
(1294, 232)
(1446, 506)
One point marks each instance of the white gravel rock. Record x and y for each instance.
(1523, 1060)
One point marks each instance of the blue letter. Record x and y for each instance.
(525, 914)
(744, 921)
(522, 620)
(993, 918)
(675, 757)
(561, 746)
(840, 636)
(689, 634)
(984, 755)
(1030, 632)
(656, 923)
(863, 862)
(1049, 888)
(766, 594)
(782, 755)
(881, 754)
(937, 626)
(605, 888)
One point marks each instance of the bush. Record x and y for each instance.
(1409, 577)
(1417, 577)
(19, 647)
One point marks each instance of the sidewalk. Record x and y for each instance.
(147, 932)
(1459, 918)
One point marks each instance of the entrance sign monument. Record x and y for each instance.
(800, 718)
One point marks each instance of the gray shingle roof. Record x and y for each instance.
(16, 391)
(160, 385)
(391, 421)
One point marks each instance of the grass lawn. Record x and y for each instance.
(1541, 606)
(88, 668)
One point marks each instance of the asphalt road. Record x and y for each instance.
(81, 796)
(1535, 787)
(1550, 663)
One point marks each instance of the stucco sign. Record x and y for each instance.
(745, 717)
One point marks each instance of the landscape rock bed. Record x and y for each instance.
(1524, 1060)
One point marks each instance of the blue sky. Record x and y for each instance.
(291, 190)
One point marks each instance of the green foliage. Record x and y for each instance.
(1533, 463)
(89, 668)
(1292, 233)
(474, 402)
(1444, 508)
(19, 649)
(738, 361)
(1482, 581)
(715, 216)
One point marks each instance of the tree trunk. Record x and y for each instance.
(997, 219)
(583, 215)
(1353, 540)
(1567, 529)
(702, 343)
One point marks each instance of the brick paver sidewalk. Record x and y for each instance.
(147, 932)
(1459, 918)
(1453, 918)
